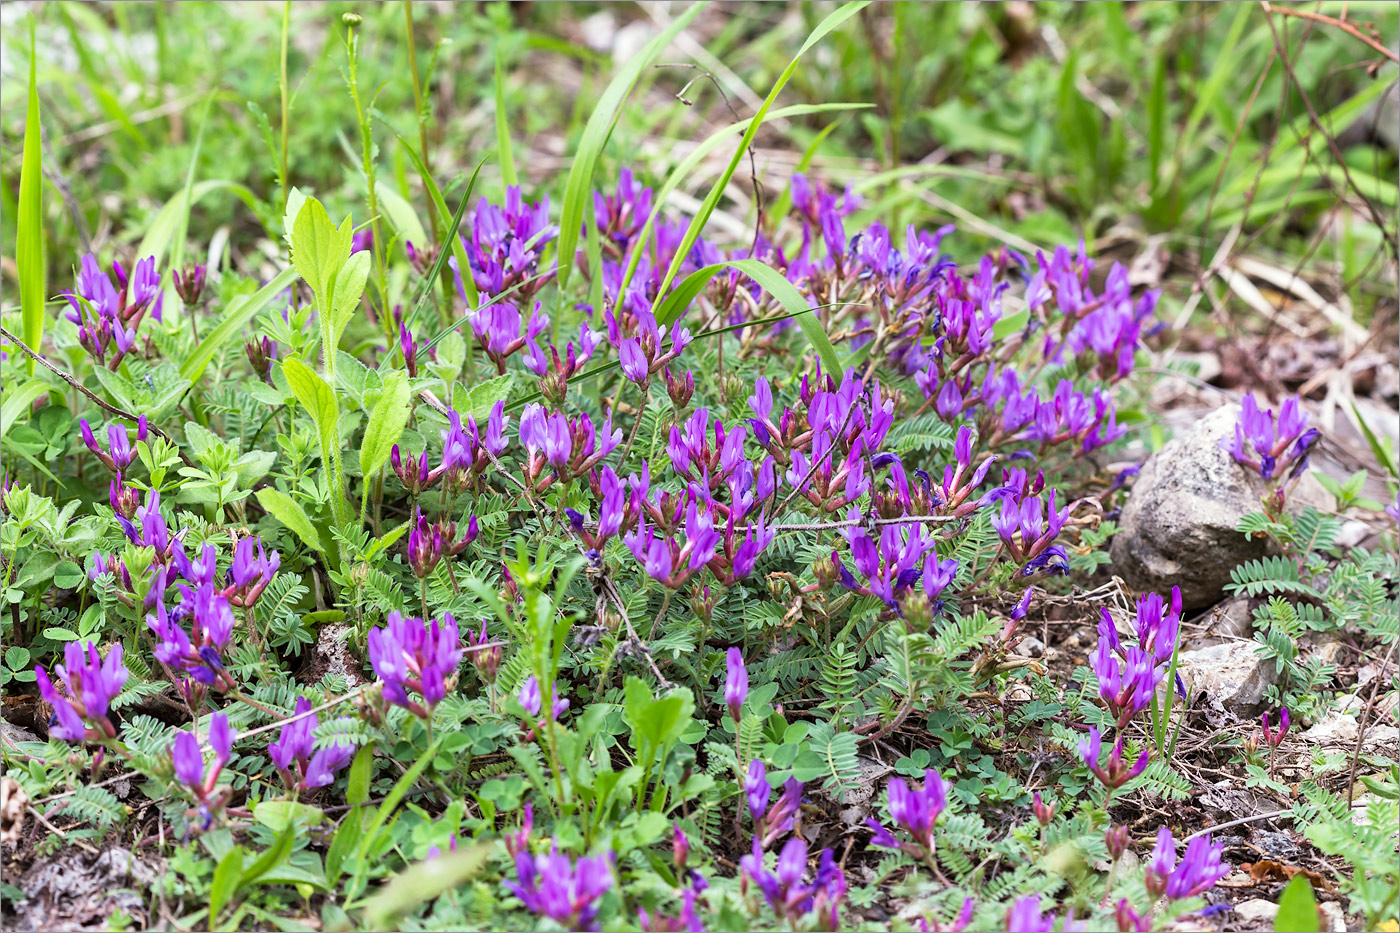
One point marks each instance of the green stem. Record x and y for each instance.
(367, 159)
(286, 103)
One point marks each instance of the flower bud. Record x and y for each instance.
(351, 19)
(680, 388)
(824, 569)
(680, 847)
(1044, 812)
(190, 285)
(1116, 839)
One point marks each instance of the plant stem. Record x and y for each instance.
(286, 106)
(367, 166)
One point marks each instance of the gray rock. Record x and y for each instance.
(1230, 677)
(1179, 524)
(1256, 909)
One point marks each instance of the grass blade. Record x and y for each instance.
(435, 195)
(239, 313)
(683, 169)
(503, 153)
(578, 191)
(702, 217)
(775, 284)
(29, 248)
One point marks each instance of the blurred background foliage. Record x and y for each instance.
(1165, 130)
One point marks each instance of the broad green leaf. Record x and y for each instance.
(775, 284)
(320, 249)
(227, 875)
(421, 882)
(277, 815)
(315, 396)
(702, 216)
(386, 423)
(578, 190)
(289, 512)
(349, 287)
(1297, 908)
(482, 396)
(402, 217)
(239, 312)
(29, 247)
(17, 401)
(295, 199)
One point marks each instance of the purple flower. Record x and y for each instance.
(1274, 737)
(250, 573)
(189, 760)
(1127, 683)
(756, 789)
(736, 683)
(90, 683)
(1200, 867)
(294, 754)
(784, 890)
(1117, 773)
(485, 653)
(1271, 443)
(190, 285)
(1024, 916)
(1157, 625)
(564, 891)
(119, 454)
(409, 654)
(199, 654)
(1129, 920)
(916, 811)
(634, 364)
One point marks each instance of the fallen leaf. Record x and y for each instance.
(1269, 870)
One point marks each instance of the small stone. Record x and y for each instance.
(1354, 534)
(1029, 647)
(1256, 909)
(1230, 676)
(1333, 917)
(1232, 618)
(1338, 730)
(1179, 526)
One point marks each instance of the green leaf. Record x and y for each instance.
(289, 512)
(578, 190)
(273, 857)
(482, 396)
(391, 802)
(29, 246)
(775, 284)
(349, 288)
(401, 214)
(1297, 908)
(239, 312)
(17, 401)
(317, 398)
(277, 815)
(227, 875)
(421, 882)
(702, 216)
(319, 250)
(386, 423)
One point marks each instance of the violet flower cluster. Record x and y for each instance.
(915, 811)
(789, 896)
(1198, 870)
(1129, 675)
(201, 781)
(564, 890)
(1276, 445)
(409, 654)
(294, 754)
(89, 683)
(108, 316)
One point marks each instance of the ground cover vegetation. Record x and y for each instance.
(671, 467)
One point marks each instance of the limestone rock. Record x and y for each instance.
(1230, 677)
(1179, 524)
